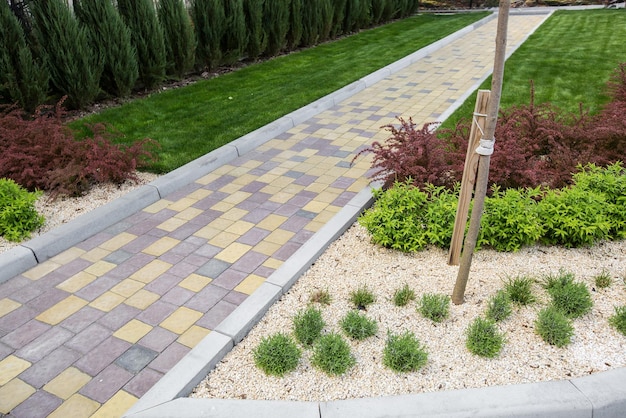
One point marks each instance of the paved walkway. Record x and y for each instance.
(89, 331)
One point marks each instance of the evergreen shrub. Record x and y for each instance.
(178, 37)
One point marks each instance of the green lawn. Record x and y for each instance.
(192, 121)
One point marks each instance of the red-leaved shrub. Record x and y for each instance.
(39, 152)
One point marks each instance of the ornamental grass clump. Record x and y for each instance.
(404, 353)
(484, 339)
(554, 327)
(435, 307)
(331, 354)
(358, 326)
(321, 296)
(603, 280)
(571, 298)
(277, 355)
(618, 319)
(499, 307)
(403, 296)
(308, 325)
(519, 290)
(362, 298)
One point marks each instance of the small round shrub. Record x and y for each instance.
(277, 355)
(435, 307)
(554, 327)
(308, 325)
(483, 338)
(357, 326)
(603, 280)
(499, 307)
(362, 298)
(18, 216)
(331, 354)
(618, 319)
(404, 353)
(403, 296)
(573, 299)
(519, 290)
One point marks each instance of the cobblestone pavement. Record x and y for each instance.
(89, 331)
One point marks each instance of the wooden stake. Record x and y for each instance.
(469, 176)
(485, 149)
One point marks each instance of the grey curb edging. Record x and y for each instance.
(47, 245)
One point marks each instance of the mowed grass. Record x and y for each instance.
(192, 121)
(569, 58)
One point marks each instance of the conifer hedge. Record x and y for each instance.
(235, 38)
(257, 41)
(178, 36)
(276, 24)
(209, 21)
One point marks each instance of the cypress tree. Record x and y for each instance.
(178, 36)
(338, 17)
(257, 41)
(111, 38)
(311, 22)
(294, 35)
(235, 38)
(147, 37)
(378, 10)
(389, 11)
(276, 25)
(22, 79)
(74, 67)
(326, 19)
(209, 23)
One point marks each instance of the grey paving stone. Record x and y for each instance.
(213, 268)
(43, 345)
(136, 358)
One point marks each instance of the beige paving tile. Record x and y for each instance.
(250, 284)
(279, 236)
(315, 206)
(133, 331)
(199, 194)
(234, 214)
(116, 406)
(193, 336)
(209, 178)
(68, 255)
(195, 282)
(67, 383)
(10, 367)
(233, 252)
(271, 189)
(207, 232)
(237, 197)
(246, 178)
(161, 246)
(180, 320)
(118, 241)
(41, 270)
(171, 224)
(107, 301)
(127, 287)
(14, 393)
(100, 268)
(272, 222)
(266, 248)
(62, 310)
(240, 227)
(232, 188)
(272, 263)
(151, 271)
(182, 204)
(76, 282)
(95, 254)
(281, 197)
(8, 305)
(223, 206)
(223, 239)
(78, 406)
(158, 206)
(142, 299)
(189, 213)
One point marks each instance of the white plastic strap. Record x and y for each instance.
(485, 147)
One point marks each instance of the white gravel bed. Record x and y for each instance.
(64, 209)
(352, 261)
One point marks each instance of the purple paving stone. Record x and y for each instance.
(141, 383)
(253, 186)
(197, 259)
(162, 284)
(144, 226)
(18, 317)
(89, 338)
(157, 232)
(130, 266)
(206, 298)
(343, 199)
(253, 236)
(259, 197)
(305, 180)
(235, 297)
(213, 268)
(25, 334)
(271, 206)
(287, 210)
(342, 183)
(73, 267)
(158, 339)
(51, 280)
(229, 279)
(49, 367)
(217, 314)
(302, 236)
(48, 299)
(140, 243)
(82, 319)
(13, 285)
(170, 257)
(257, 215)
(286, 251)
(102, 356)
(136, 358)
(183, 191)
(206, 204)
(97, 288)
(27, 293)
(106, 384)
(118, 316)
(119, 227)
(168, 358)
(220, 182)
(5, 350)
(156, 313)
(44, 344)
(177, 296)
(264, 271)
(92, 242)
(39, 405)
(185, 231)
(249, 262)
(247, 205)
(182, 269)
(295, 223)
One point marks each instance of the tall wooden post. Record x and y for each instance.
(485, 149)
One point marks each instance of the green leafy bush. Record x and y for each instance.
(332, 355)
(404, 353)
(618, 319)
(403, 296)
(308, 325)
(277, 355)
(571, 298)
(554, 327)
(519, 290)
(439, 214)
(362, 298)
(499, 307)
(483, 338)
(18, 216)
(435, 307)
(358, 326)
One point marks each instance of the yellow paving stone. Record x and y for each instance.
(207, 232)
(315, 206)
(193, 336)
(158, 206)
(107, 301)
(127, 287)
(95, 254)
(271, 222)
(67, 383)
(314, 226)
(133, 331)
(279, 236)
(279, 171)
(220, 223)
(116, 406)
(182, 204)
(271, 189)
(281, 197)
(100, 268)
(14, 393)
(142, 299)
(8, 305)
(233, 252)
(118, 241)
(189, 213)
(246, 178)
(240, 227)
(76, 282)
(267, 178)
(195, 282)
(272, 263)
(161, 246)
(250, 284)
(171, 224)
(41, 270)
(199, 194)
(209, 178)
(225, 169)
(11, 367)
(316, 187)
(237, 197)
(231, 187)
(283, 181)
(222, 206)
(266, 248)
(251, 164)
(325, 216)
(180, 320)
(223, 239)
(151, 271)
(234, 214)
(68, 255)
(78, 406)
(57, 313)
